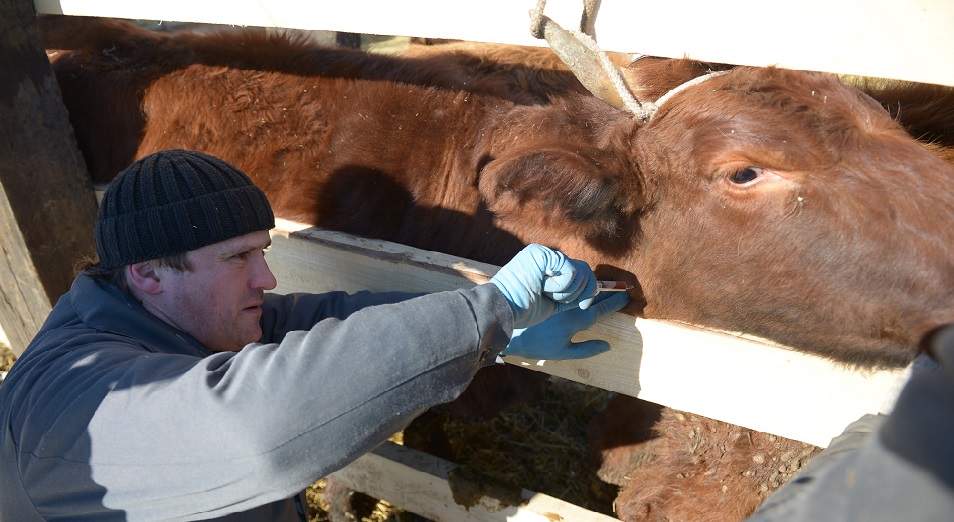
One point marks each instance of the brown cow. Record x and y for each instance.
(674, 465)
(779, 203)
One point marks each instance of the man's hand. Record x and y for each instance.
(539, 282)
(550, 340)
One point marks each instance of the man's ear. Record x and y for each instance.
(144, 277)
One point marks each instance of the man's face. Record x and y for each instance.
(219, 301)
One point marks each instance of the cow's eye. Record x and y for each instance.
(746, 175)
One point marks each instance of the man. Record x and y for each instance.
(167, 384)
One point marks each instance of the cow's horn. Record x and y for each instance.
(591, 66)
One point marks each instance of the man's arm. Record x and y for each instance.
(235, 430)
(293, 312)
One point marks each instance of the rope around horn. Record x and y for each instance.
(642, 111)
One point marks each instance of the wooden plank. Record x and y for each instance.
(313, 260)
(881, 38)
(429, 486)
(47, 209)
(740, 380)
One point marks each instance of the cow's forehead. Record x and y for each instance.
(792, 120)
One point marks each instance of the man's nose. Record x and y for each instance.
(262, 277)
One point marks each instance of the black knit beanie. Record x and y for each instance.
(174, 201)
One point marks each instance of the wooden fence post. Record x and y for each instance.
(47, 205)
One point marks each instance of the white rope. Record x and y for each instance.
(536, 19)
(685, 85)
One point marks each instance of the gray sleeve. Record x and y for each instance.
(292, 312)
(176, 437)
(883, 468)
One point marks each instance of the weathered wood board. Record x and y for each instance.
(727, 377)
(426, 485)
(47, 208)
(881, 38)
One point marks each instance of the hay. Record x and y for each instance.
(6, 358)
(542, 446)
(363, 508)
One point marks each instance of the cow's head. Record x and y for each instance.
(788, 205)
(774, 202)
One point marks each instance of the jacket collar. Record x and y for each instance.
(103, 306)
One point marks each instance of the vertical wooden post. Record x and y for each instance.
(47, 205)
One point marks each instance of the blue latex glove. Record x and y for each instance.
(550, 340)
(539, 282)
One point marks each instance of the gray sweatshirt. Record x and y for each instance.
(113, 414)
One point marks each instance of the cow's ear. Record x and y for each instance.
(584, 191)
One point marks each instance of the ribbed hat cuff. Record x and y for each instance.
(181, 226)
